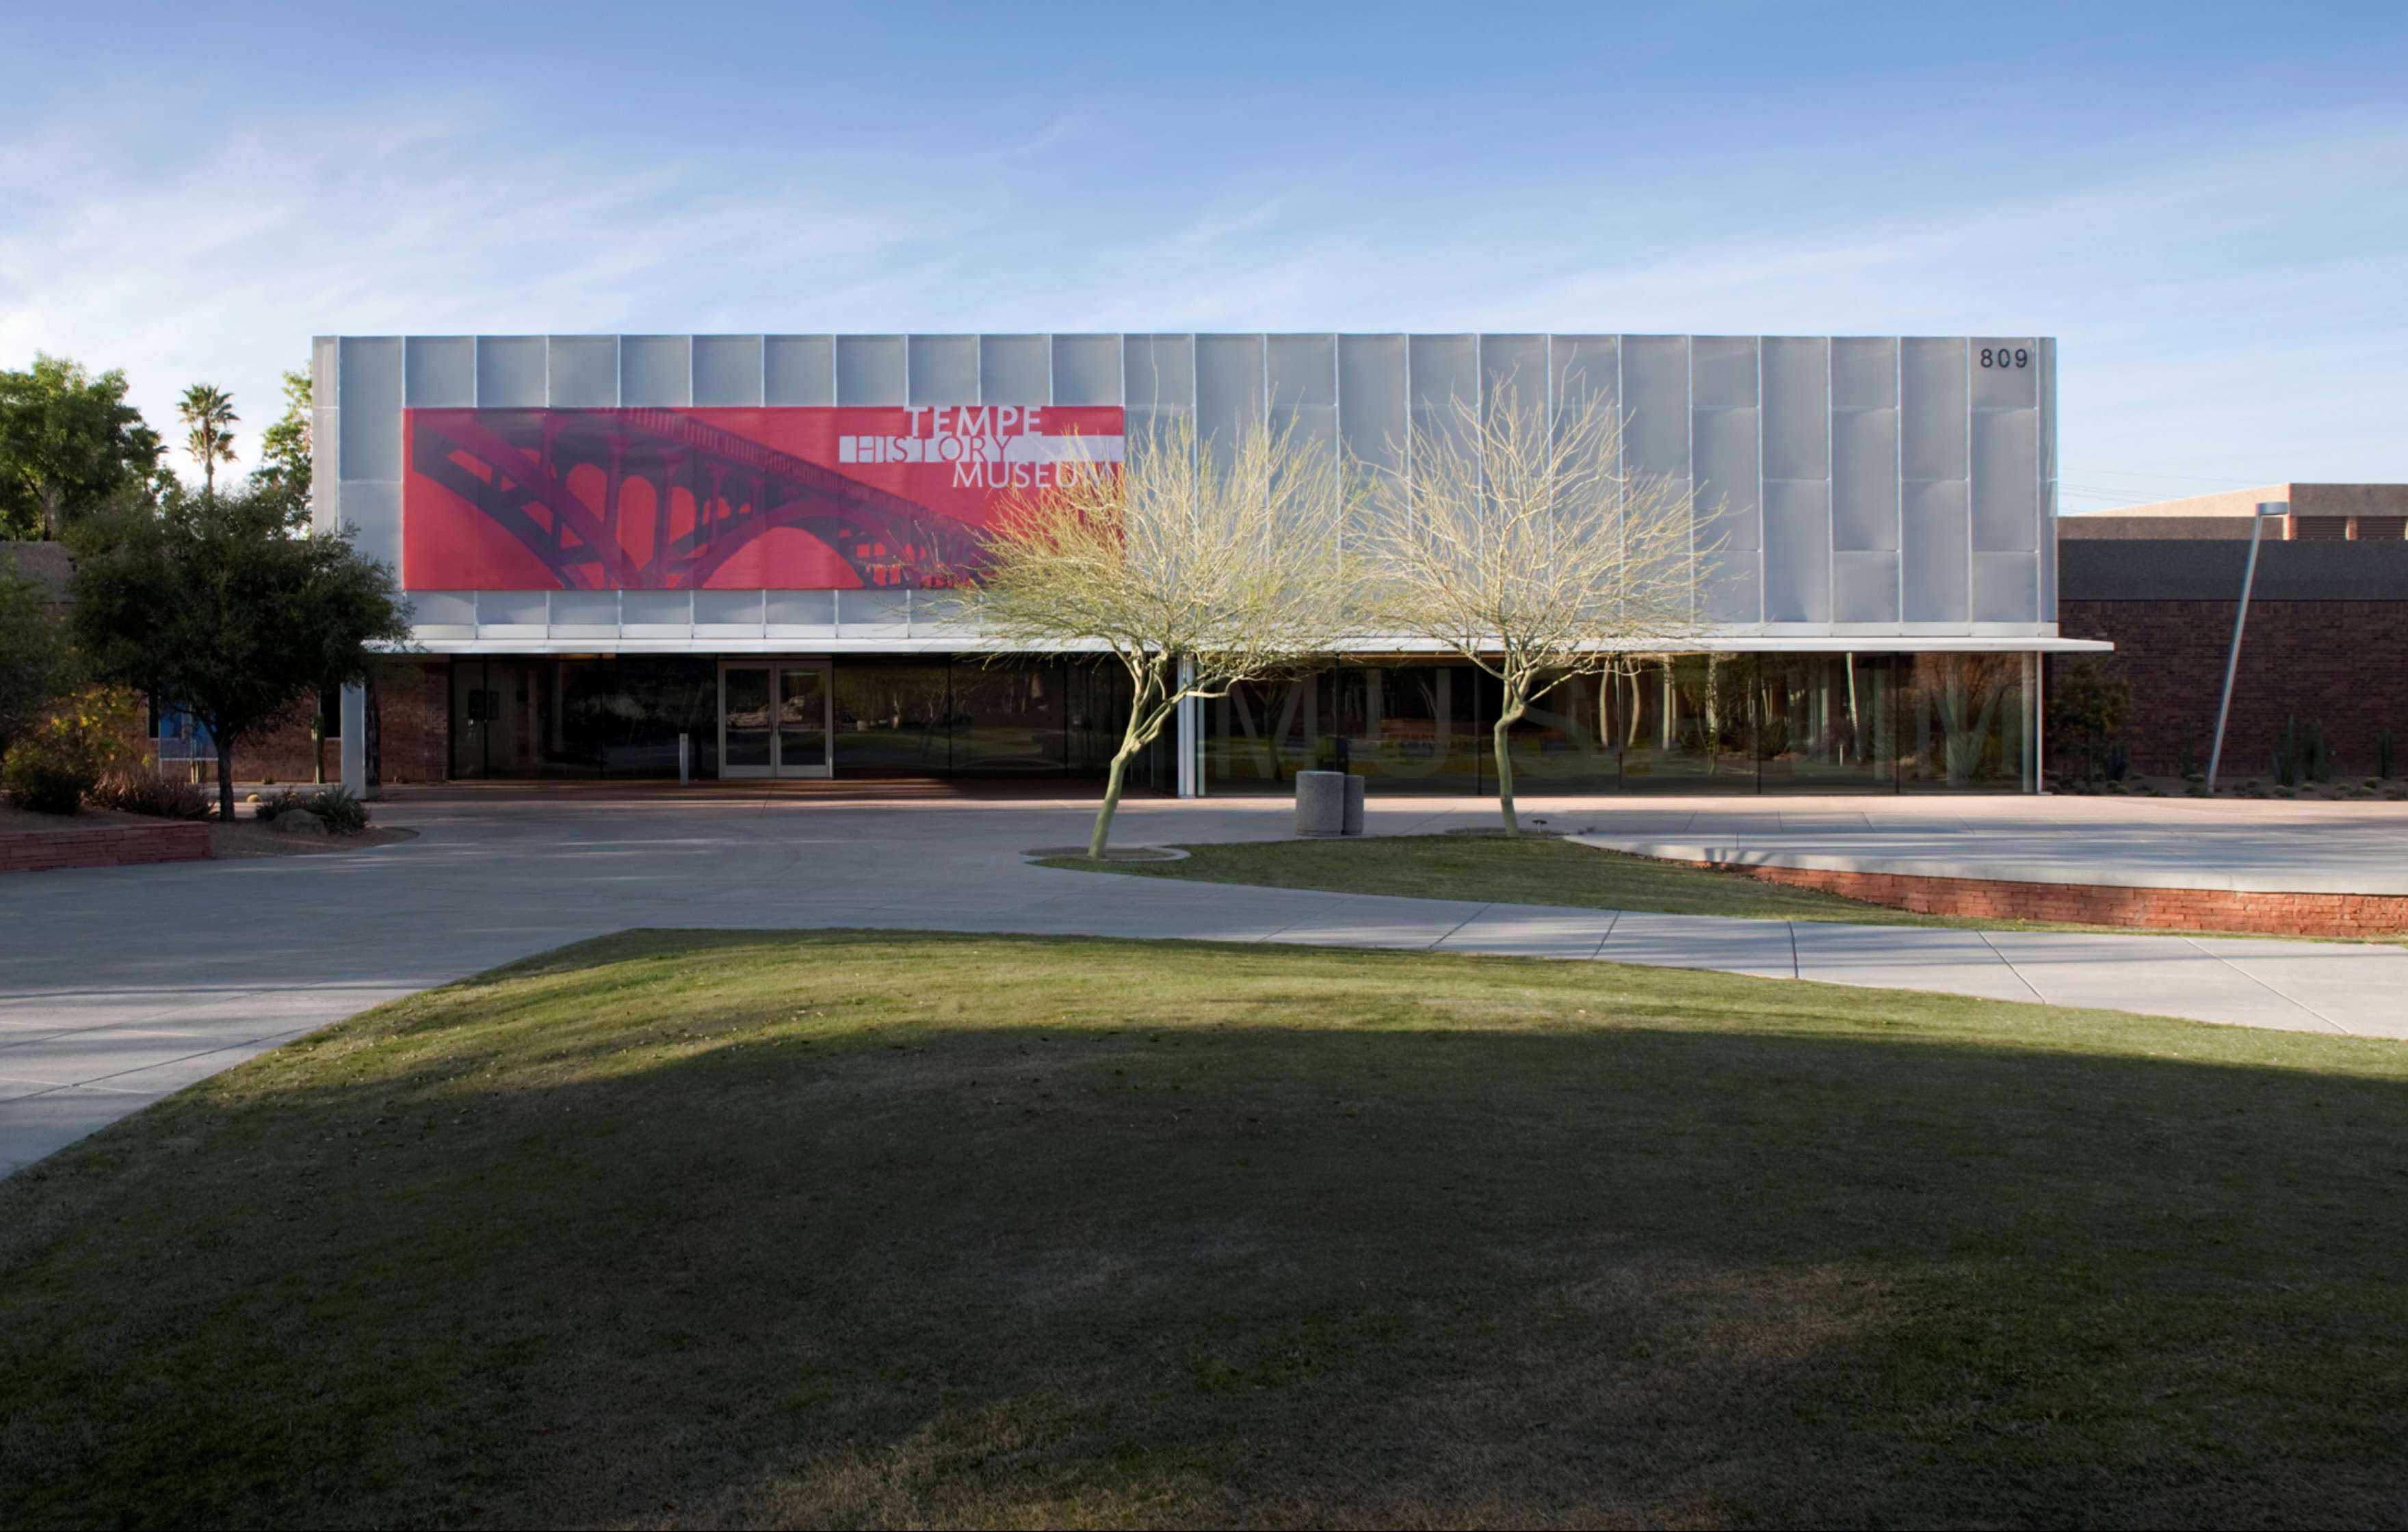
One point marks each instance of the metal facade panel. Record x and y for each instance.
(1932, 412)
(802, 608)
(2006, 480)
(1087, 370)
(2048, 412)
(1725, 458)
(2006, 587)
(1371, 411)
(513, 609)
(509, 372)
(945, 369)
(797, 370)
(1733, 592)
(1228, 387)
(372, 509)
(1797, 409)
(1864, 372)
(1514, 367)
(870, 370)
(584, 372)
(438, 372)
(1301, 371)
(656, 371)
(1864, 479)
(1442, 370)
(371, 408)
(1158, 372)
(1796, 551)
(1723, 371)
(657, 609)
(443, 608)
(1015, 370)
(326, 467)
(728, 371)
(1933, 549)
(1656, 401)
(2012, 379)
(1864, 587)
(592, 612)
(727, 608)
(1585, 367)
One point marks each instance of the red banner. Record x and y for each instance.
(743, 499)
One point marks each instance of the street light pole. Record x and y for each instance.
(2240, 619)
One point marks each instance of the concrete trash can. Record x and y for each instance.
(1354, 825)
(1320, 803)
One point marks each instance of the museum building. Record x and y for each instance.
(633, 556)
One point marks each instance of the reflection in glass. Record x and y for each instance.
(802, 718)
(747, 717)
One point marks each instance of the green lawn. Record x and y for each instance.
(888, 1228)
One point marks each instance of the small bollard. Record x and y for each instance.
(685, 759)
(1354, 824)
(1320, 804)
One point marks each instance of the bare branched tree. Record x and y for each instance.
(1198, 565)
(1517, 539)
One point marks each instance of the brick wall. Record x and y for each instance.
(114, 846)
(414, 707)
(2344, 664)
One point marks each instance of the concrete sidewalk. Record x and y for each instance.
(121, 985)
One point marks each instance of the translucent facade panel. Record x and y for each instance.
(1158, 372)
(1301, 370)
(2048, 413)
(325, 465)
(1655, 400)
(1228, 387)
(2048, 555)
(2006, 480)
(1864, 478)
(371, 410)
(1721, 371)
(1087, 370)
(512, 608)
(1796, 551)
(1585, 367)
(326, 371)
(584, 372)
(1443, 368)
(1864, 372)
(1864, 587)
(1932, 552)
(727, 608)
(442, 608)
(511, 372)
(728, 370)
(1515, 366)
(1733, 593)
(656, 371)
(869, 369)
(595, 612)
(1015, 370)
(1932, 413)
(945, 369)
(798, 369)
(2006, 588)
(2011, 380)
(1797, 410)
(1371, 419)
(655, 608)
(873, 607)
(1727, 476)
(801, 608)
(440, 372)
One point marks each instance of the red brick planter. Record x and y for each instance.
(110, 846)
(2092, 904)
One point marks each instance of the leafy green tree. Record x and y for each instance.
(225, 605)
(207, 413)
(68, 443)
(284, 447)
(2086, 707)
(36, 666)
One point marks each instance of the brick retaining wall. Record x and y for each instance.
(110, 846)
(2092, 904)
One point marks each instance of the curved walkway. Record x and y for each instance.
(121, 985)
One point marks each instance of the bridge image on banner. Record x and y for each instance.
(734, 498)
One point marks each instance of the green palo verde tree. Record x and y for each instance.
(228, 607)
(69, 443)
(37, 666)
(1197, 565)
(1516, 539)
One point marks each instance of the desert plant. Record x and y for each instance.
(139, 792)
(2086, 708)
(2315, 756)
(2119, 762)
(338, 810)
(45, 777)
(2383, 762)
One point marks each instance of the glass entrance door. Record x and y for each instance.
(773, 718)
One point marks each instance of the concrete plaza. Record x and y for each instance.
(121, 985)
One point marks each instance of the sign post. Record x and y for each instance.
(2240, 620)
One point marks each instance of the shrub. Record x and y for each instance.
(342, 812)
(145, 793)
(44, 778)
(270, 808)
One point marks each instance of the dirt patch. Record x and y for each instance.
(16, 820)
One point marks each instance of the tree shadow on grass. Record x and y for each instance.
(1298, 1238)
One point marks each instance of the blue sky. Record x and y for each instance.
(2208, 204)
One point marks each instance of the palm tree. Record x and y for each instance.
(209, 412)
